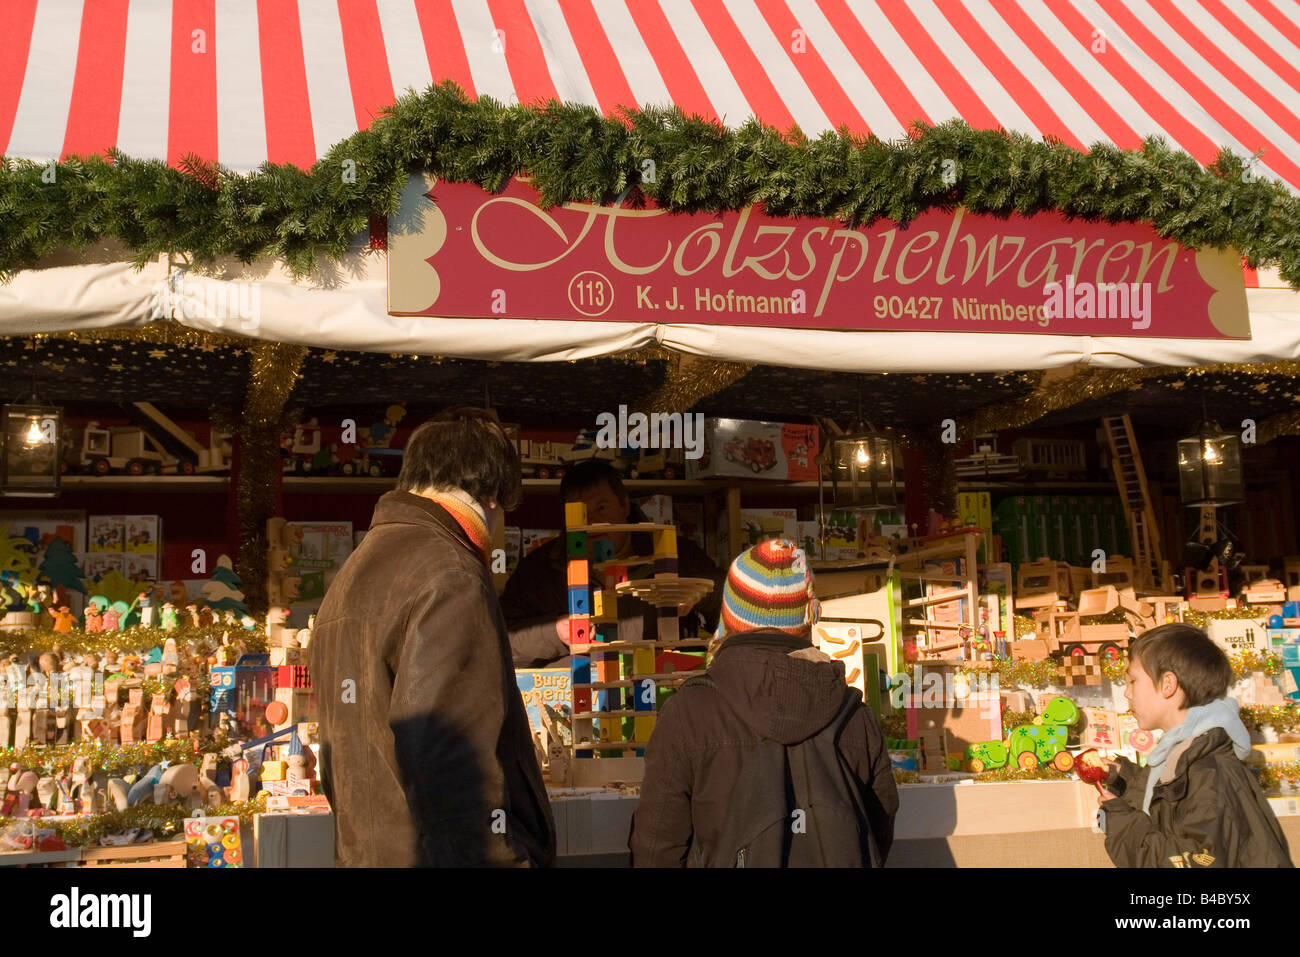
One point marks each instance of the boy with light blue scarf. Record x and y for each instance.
(1195, 804)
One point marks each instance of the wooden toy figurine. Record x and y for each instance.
(63, 619)
(144, 602)
(168, 616)
(109, 619)
(170, 657)
(160, 718)
(194, 614)
(208, 780)
(94, 621)
(133, 717)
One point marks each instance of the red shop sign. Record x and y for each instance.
(456, 250)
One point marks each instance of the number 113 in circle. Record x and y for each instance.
(590, 293)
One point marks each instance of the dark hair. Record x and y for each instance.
(587, 475)
(463, 448)
(1202, 669)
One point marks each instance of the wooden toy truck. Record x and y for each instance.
(1065, 635)
(1043, 583)
(122, 448)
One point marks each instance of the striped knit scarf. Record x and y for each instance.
(469, 516)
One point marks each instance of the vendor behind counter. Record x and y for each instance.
(535, 601)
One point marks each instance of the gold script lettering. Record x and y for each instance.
(903, 254)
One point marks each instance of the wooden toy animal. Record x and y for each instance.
(1028, 745)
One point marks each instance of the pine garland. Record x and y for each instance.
(204, 212)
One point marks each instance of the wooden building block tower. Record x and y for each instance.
(620, 717)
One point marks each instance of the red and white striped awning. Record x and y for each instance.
(245, 81)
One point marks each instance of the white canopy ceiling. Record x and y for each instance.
(347, 309)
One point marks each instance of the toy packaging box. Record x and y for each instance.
(745, 448)
(39, 556)
(314, 551)
(757, 525)
(140, 567)
(657, 508)
(535, 538)
(1237, 635)
(107, 533)
(213, 842)
(543, 686)
(41, 527)
(98, 564)
(514, 546)
(143, 534)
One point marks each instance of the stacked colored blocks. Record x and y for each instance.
(578, 549)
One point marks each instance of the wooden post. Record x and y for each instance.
(733, 523)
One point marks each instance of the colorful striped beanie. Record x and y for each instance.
(769, 586)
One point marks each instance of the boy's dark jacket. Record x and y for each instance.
(705, 732)
(1210, 813)
(433, 744)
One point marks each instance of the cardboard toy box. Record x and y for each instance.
(757, 525)
(1237, 635)
(745, 448)
(535, 538)
(539, 686)
(98, 564)
(143, 534)
(107, 533)
(657, 508)
(140, 567)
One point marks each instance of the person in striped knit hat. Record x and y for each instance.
(765, 683)
(769, 586)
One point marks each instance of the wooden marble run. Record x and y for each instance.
(614, 714)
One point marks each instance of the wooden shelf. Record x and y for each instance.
(1064, 485)
(690, 487)
(331, 485)
(615, 745)
(627, 682)
(145, 483)
(581, 649)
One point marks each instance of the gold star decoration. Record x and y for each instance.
(115, 367)
(329, 357)
(157, 354)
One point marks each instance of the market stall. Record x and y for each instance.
(233, 324)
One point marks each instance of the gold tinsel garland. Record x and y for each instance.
(1282, 718)
(162, 332)
(116, 760)
(274, 370)
(133, 640)
(1063, 389)
(690, 379)
(167, 821)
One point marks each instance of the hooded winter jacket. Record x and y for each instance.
(426, 754)
(1205, 807)
(764, 684)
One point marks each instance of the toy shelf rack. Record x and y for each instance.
(620, 716)
(939, 582)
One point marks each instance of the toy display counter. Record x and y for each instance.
(939, 824)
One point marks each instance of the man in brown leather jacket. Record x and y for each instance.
(426, 753)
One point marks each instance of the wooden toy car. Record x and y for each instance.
(758, 454)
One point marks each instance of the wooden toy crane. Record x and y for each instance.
(1131, 478)
(626, 676)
